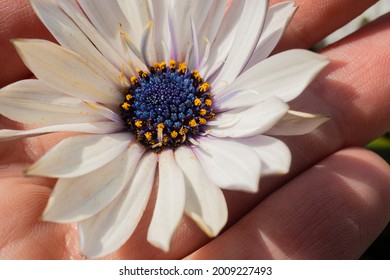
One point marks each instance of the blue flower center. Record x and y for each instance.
(167, 106)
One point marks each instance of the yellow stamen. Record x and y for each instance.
(126, 106)
(197, 102)
(174, 134)
(165, 139)
(211, 116)
(204, 87)
(183, 131)
(192, 123)
(161, 125)
(196, 75)
(138, 123)
(182, 67)
(143, 74)
(148, 135)
(203, 112)
(208, 102)
(172, 64)
(156, 66)
(128, 97)
(134, 80)
(160, 66)
(202, 121)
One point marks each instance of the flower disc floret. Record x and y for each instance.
(167, 106)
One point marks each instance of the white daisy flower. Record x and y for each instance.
(182, 89)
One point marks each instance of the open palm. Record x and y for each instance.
(334, 202)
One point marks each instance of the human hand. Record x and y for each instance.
(332, 204)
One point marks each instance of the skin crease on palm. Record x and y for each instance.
(333, 203)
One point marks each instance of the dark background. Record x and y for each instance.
(380, 249)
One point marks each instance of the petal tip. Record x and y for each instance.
(163, 246)
(28, 173)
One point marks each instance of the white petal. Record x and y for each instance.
(228, 164)
(194, 61)
(248, 33)
(79, 155)
(107, 16)
(275, 156)
(138, 14)
(284, 75)
(224, 39)
(161, 31)
(173, 43)
(70, 36)
(182, 12)
(238, 99)
(205, 202)
(211, 23)
(105, 112)
(278, 17)
(93, 128)
(147, 46)
(76, 199)
(106, 232)
(33, 102)
(245, 122)
(169, 206)
(132, 52)
(73, 10)
(67, 71)
(297, 123)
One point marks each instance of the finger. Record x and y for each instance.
(315, 19)
(333, 211)
(353, 92)
(17, 20)
(22, 235)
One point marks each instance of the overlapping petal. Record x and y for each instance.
(297, 123)
(75, 199)
(245, 122)
(209, 29)
(70, 36)
(226, 164)
(92, 128)
(67, 71)
(248, 32)
(275, 156)
(107, 231)
(170, 201)
(79, 155)
(104, 46)
(276, 76)
(223, 41)
(33, 102)
(107, 16)
(137, 18)
(277, 19)
(205, 202)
